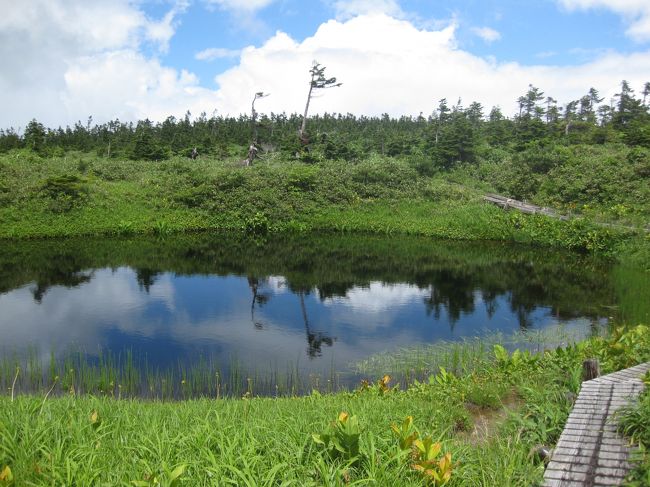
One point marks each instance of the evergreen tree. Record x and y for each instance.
(628, 107)
(645, 92)
(498, 129)
(146, 146)
(35, 136)
(529, 121)
(9, 139)
(457, 141)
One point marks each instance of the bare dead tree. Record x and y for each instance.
(315, 339)
(252, 149)
(318, 82)
(259, 94)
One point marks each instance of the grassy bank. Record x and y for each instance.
(488, 408)
(488, 419)
(80, 195)
(634, 422)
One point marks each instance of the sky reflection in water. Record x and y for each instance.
(265, 320)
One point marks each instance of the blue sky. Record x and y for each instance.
(65, 60)
(531, 31)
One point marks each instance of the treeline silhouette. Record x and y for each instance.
(459, 275)
(453, 133)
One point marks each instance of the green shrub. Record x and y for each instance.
(343, 440)
(65, 192)
(257, 224)
(302, 178)
(439, 190)
(634, 422)
(640, 161)
(624, 347)
(113, 170)
(194, 196)
(380, 170)
(422, 165)
(6, 196)
(486, 394)
(83, 165)
(230, 179)
(541, 159)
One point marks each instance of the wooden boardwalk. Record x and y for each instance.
(508, 204)
(590, 452)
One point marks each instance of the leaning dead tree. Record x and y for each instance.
(318, 82)
(252, 148)
(259, 94)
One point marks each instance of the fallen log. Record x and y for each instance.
(507, 203)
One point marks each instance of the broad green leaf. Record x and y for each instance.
(6, 475)
(500, 353)
(176, 473)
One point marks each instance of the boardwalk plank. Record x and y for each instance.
(590, 451)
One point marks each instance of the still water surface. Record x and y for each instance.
(317, 303)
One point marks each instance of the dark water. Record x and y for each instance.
(315, 303)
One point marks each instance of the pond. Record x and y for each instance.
(293, 307)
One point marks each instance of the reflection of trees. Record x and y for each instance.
(146, 278)
(334, 289)
(454, 292)
(525, 288)
(315, 339)
(58, 269)
(520, 278)
(258, 298)
(490, 300)
(59, 277)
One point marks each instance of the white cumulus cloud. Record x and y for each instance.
(487, 34)
(213, 53)
(126, 85)
(163, 30)
(390, 66)
(50, 50)
(97, 67)
(635, 12)
(246, 6)
(346, 9)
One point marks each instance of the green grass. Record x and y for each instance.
(252, 441)
(634, 422)
(462, 357)
(125, 376)
(100, 440)
(89, 440)
(80, 195)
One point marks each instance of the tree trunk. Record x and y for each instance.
(303, 125)
(253, 125)
(590, 369)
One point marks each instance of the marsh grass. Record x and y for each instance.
(122, 375)
(88, 440)
(102, 440)
(409, 364)
(632, 284)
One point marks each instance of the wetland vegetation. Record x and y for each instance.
(218, 315)
(486, 423)
(359, 201)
